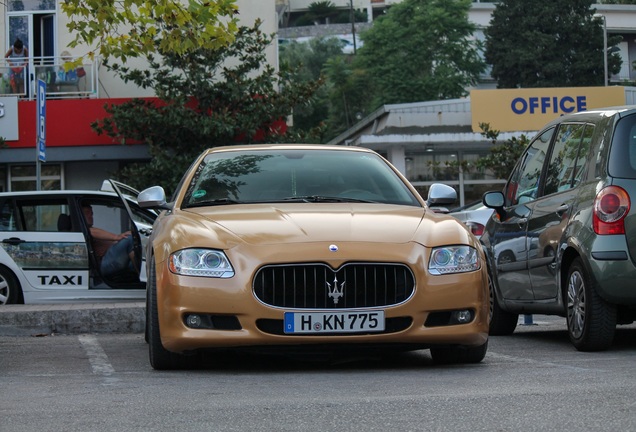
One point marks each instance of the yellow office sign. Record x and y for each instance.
(510, 110)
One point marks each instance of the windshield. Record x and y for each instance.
(295, 175)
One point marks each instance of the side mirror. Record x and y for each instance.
(493, 199)
(440, 195)
(153, 197)
(496, 201)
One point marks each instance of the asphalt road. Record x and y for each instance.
(533, 380)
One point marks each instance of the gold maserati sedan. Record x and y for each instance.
(309, 247)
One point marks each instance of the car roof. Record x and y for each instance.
(593, 114)
(308, 147)
(57, 193)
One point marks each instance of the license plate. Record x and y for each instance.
(334, 322)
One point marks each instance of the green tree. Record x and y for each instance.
(322, 11)
(348, 93)
(131, 28)
(309, 58)
(557, 43)
(421, 50)
(503, 156)
(207, 98)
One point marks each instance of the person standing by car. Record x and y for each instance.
(114, 251)
(17, 58)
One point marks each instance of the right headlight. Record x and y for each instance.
(453, 259)
(201, 262)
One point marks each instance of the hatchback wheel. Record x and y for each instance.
(502, 323)
(591, 320)
(10, 292)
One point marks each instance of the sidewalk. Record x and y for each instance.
(126, 317)
(33, 320)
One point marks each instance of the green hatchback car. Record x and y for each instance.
(562, 238)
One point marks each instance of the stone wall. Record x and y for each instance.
(320, 30)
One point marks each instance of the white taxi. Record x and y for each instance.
(47, 253)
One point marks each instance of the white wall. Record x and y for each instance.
(112, 87)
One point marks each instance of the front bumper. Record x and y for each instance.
(233, 298)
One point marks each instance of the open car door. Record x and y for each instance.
(140, 224)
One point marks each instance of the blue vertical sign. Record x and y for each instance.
(41, 102)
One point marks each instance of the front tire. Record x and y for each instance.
(459, 354)
(160, 358)
(10, 291)
(502, 323)
(591, 320)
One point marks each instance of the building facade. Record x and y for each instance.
(431, 145)
(440, 140)
(75, 157)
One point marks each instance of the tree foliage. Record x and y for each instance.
(309, 58)
(348, 93)
(421, 50)
(207, 98)
(320, 11)
(557, 43)
(131, 28)
(503, 156)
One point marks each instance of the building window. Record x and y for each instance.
(3, 179)
(31, 5)
(24, 177)
(472, 171)
(432, 167)
(428, 167)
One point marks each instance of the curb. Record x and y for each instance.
(36, 320)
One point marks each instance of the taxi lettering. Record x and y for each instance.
(548, 104)
(54, 280)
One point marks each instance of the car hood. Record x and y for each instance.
(317, 222)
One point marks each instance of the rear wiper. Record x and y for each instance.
(320, 198)
(212, 202)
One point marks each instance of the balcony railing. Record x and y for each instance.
(21, 80)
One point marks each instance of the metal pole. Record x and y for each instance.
(605, 49)
(353, 24)
(605, 67)
(38, 168)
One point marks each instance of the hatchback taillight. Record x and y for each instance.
(476, 228)
(611, 205)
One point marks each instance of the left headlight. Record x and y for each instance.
(201, 262)
(453, 259)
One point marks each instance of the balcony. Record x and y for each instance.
(60, 84)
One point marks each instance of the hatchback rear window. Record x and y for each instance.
(622, 162)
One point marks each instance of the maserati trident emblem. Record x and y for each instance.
(335, 293)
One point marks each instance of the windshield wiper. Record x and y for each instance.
(320, 198)
(213, 202)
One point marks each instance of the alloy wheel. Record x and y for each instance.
(576, 304)
(4, 291)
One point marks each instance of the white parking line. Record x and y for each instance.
(97, 358)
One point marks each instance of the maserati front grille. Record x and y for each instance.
(318, 286)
